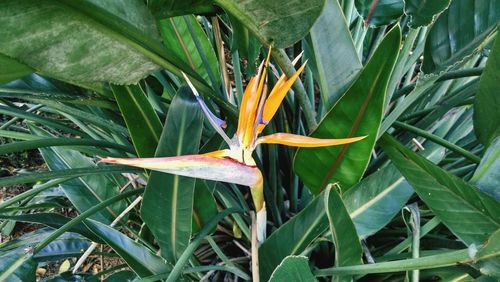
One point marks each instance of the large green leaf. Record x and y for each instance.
(373, 202)
(142, 121)
(187, 39)
(83, 192)
(448, 44)
(293, 268)
(424, 12)
(336, 62)
(357, 113)
(204, 205)
(347, 245)
(487, 101)
(385, 11)
(12, 69)
(469, 213)
(168, 200)
(61, 41)
(293, 237)
(279, 23)
(17, 267)
(140, 259)
(171, 8)
(490, 251)
(487, 174)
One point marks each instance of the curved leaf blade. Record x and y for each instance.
(17, 267)
(424, 12)
(487, 101)
(279, 23)
(62, 42)
(140, 259)
(12, 69)
(385, 12)
(142, 121)
(334, 73)
(469, 213)
(173, 193)
(474, 21)
(358, 113)
(347, 245)
(293, 268)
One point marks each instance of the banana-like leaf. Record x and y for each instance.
(347, 245)
(357, 113)
(469, 213)
(168, 199)
(293, 268)
(292, 237)
(487, 174)
(373, 202)
(140, 259)
(142, 121)
(385, 11)
(12, 69)
(62, 41)
(424, 12)
(204, 205)
(487, 101)
(333, 73)
(474, 21)
(490, 264)
(17, 267)
(186, 37)
(280, 23)
(170, 8)
(84, 192)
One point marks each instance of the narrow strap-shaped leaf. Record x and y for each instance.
(168, 200)
(293, 268)
(487, 101)
(358, 113)
(140, 259)
(347, 245)
(142, 121)
(469, 213)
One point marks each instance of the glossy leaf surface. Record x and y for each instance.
(424, 12)
(330, 34)
(63, 42)
(140, 259)
(469, 213)
(173, 193)
(487, 101)
(347, 245)
(293, 268)
(385, 11)
(142, 121)
(83, 192)
(449, 44)
(268, 19)
(358, 113)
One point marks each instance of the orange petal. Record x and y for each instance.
(277, 95)
(303, 141)
(198, 166)
(253, 104)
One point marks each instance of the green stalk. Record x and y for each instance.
(13, 120)
(300, 92)
(33, 192)
(50, 142)
(439, 140)
(449, 258)
(68, 225)
(64, 173)
(398, 70)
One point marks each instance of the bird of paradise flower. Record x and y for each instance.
(236, 164)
